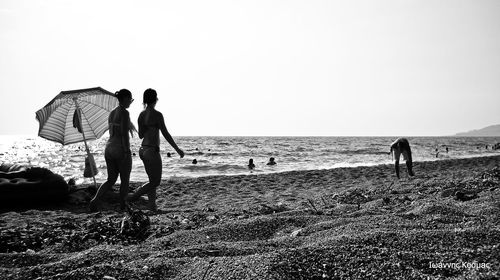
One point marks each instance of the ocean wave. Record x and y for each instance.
(216, 154)
(252, 146)
(194, 153)
(224, 144)
(220, 168)
(362, 151)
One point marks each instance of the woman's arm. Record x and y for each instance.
(167, 135)
(124, 127)
(142, 128)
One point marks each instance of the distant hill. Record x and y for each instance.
(492, 130)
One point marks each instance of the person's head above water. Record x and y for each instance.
(150, 97)
(271, 161)
(124, 97)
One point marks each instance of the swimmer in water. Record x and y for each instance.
(271, 161)
(250, 164)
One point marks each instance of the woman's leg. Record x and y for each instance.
(152, 199)
(113, 169)
(154, 178)
(153, 165)
(406, 151)
(409, 163)
(125, 169)
(397, 155)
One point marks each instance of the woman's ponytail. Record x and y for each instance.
(122, 93)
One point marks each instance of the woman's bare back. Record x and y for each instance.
(117, 119)
(150, 122)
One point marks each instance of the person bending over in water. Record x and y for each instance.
(151, 122)
(117, 152)
(402, 146)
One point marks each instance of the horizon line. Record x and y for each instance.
(34, 135)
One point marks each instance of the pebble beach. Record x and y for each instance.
(342, 223)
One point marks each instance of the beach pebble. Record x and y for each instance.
(462, 196)
(106, 277)
(211, 218)
(448, 192)
(209, 209)
(176, 217)
(30, 251)
(296, 233)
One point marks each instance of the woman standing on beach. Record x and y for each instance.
(117, 152)
(151, 122)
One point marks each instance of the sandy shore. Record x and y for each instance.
(346, 223)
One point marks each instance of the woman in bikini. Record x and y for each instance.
(117, 152)
(151, 122)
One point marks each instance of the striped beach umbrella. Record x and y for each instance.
(76, 115)
(56, 119)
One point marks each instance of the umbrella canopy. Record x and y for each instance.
(58, 122)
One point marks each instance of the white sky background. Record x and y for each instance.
(291, 68)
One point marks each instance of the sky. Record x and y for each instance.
(261, 68)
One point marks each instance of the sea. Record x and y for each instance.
(230, 155)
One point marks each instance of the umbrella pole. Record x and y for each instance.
(90, 163)
(86, 146)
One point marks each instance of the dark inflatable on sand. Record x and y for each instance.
(22, 186)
